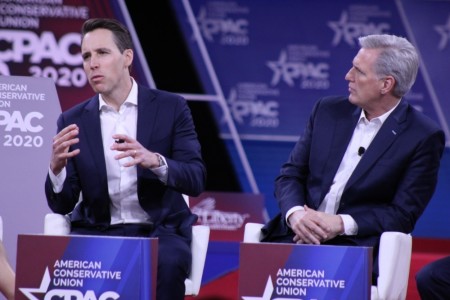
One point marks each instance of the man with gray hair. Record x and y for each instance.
(366, 163)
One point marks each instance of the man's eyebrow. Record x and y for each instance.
(357, 68)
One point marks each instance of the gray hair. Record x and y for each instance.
(398, 58)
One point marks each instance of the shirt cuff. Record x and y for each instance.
(291, 211)
(162, 171)
(350, 226)
(57, 180)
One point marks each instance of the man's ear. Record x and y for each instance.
(128, 54)
(388, 85)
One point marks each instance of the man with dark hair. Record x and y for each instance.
(122, 159)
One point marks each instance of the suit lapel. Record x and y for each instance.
(341, 134)
(389, 131)
(147, 116)
(91, 123)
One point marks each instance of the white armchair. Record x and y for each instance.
(394, 259)
(57, 224)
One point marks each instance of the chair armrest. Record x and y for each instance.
(199, 247)
(394, 259)
(56, 224)
(252, 232)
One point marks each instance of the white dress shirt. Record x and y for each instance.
(363, 135)
(122, 181)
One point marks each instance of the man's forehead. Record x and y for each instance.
(366, 55)
(98, 38)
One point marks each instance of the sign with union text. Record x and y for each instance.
(270, 271)
(85, 267)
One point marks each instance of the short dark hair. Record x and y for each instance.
(121, 35)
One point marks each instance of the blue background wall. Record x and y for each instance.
(264, 64)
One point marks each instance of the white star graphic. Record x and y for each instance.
(282, 69)
(232, 97)
(267, 292)
(340, 27)
(277, 67)
(206, 24)
(444, 31)
(28, 292)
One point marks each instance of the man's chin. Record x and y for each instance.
(96, 87)
(351, 99)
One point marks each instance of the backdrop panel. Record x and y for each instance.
(41, 39)
(265, 64)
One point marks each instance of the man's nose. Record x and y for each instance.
(93, 63)
(348, 76)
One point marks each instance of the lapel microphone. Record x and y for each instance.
(361, 151)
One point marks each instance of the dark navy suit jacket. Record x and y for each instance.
(388, 190)
(164, 125)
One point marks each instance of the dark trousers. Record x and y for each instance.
(433, 280)
(174, 256)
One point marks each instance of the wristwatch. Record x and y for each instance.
(161, 160)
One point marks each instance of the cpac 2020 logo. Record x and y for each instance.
(24, 123)
(21, 128)
(23, 46)
(21, 124)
